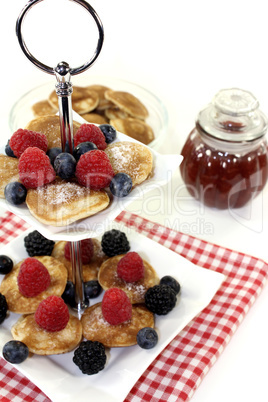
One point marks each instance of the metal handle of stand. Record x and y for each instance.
(64, 91)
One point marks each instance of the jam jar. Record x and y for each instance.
(225, 155)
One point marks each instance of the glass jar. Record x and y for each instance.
(225, 155)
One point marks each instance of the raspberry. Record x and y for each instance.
(116, 306)
(35, 169)
(52, 314)
(33, 277)
(22, 139)
(92, 133)
(94, 170)
(130, 268)
(87, 250)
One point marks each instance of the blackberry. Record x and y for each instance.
(36, 244)
(114, 242)
(3, 308)
(90, 357)
(160, 299)
(170, 281)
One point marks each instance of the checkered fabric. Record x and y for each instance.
(177, 372)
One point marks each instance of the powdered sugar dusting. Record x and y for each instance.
(61, 193)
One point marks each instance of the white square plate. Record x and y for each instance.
(59, 378)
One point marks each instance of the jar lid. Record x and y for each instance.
(233, 115)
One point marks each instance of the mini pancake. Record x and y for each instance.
(128, 103)
(134, 128)
(63, 202)
(95, 118)
(90, 270)
(50, 126)
(43, 108)
(100, 89)
(108, 278)
(132, 158)
(84, 100)
(17, 303)
(96, 328)
(42, 342)
(115, 113)
(8, 172)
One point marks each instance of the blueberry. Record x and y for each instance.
(109, 132)
(147, 338)
(6, 264)
(121, 185)
(64, 165)
(170, 281)
(52, 153)
(69, 294)
(9, 151)
(15, 352)
(92, 289)
(15, 193)
(82, 148)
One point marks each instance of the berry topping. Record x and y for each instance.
(170, 281)
(116, 306)
(114, 242)
(90, 357)
(130, 268)
(121, 185)
(52, 314)
(23, 139)
(92, 133)
(147, 338)
(33, 277)
(87, 250)
(160, 299)
(69, 294)
(94, 170)
(52, 153)
(82, 148)
(9, 151)
(109, 132)
(6, 264)
(35, 168)
(15, 193)
(64, 165)
(36, 244)
(15, 352)
(3, 308)
(92, 289)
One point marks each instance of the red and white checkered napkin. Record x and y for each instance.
(176, 373)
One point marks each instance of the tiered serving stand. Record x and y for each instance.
(94, 226)
(64, 89)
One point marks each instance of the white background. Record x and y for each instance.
(184, 52)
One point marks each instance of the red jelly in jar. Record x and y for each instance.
(225, 156)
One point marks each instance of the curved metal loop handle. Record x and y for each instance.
(44, 67)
